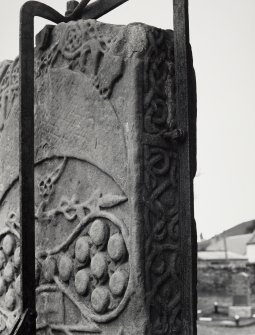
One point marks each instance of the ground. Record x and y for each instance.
(206, 303)
(205, 330)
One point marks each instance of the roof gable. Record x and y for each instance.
(252, 239)
(236, 244)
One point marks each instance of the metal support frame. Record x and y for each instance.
(27, 323)
(186, 120)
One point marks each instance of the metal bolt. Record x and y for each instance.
(70, 6)
(176, 135)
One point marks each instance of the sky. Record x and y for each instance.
(222, 34)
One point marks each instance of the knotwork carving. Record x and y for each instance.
(9, 86)
(163, 292)
(87, 264)
(83, 47)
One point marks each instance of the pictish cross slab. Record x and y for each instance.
(85, 9)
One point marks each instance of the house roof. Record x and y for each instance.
(243, 228)
(235, 244)
(202, 245)
(219, 255)
(252, 239)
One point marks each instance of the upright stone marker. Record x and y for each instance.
(241, 296)
(108, 255)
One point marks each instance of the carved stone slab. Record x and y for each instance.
(241, 296)
(106, 171)
(241, 289)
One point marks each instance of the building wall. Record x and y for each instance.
(251, 253)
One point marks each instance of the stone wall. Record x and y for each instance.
(217, 279)
(251, 271)
(214, 280)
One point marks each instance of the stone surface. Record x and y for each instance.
(107, 232)
(241, 296)
(241, 289)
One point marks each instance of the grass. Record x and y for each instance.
(205, 330)
(207, 303)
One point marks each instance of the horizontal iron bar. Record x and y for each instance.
(100, 8)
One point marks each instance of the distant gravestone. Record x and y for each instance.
(241, 296)
(241, 289)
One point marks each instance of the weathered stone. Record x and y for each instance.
(65, 268)
(99, 232)
(82, 281)
(10, 299)
(82, 249)
(107, 232)
(2, 259)
(116, 247)
(100, 299)
(241, 296)
(2, 286)
(99, 266)
(118, 282)
(241, 289)
(8, 245)
(9, 272)
(49, 269)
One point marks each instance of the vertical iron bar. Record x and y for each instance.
(27, 201)
(186, 119)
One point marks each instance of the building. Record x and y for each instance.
(224, 255)
(235, 245)
(220, 258)
(251, 249)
